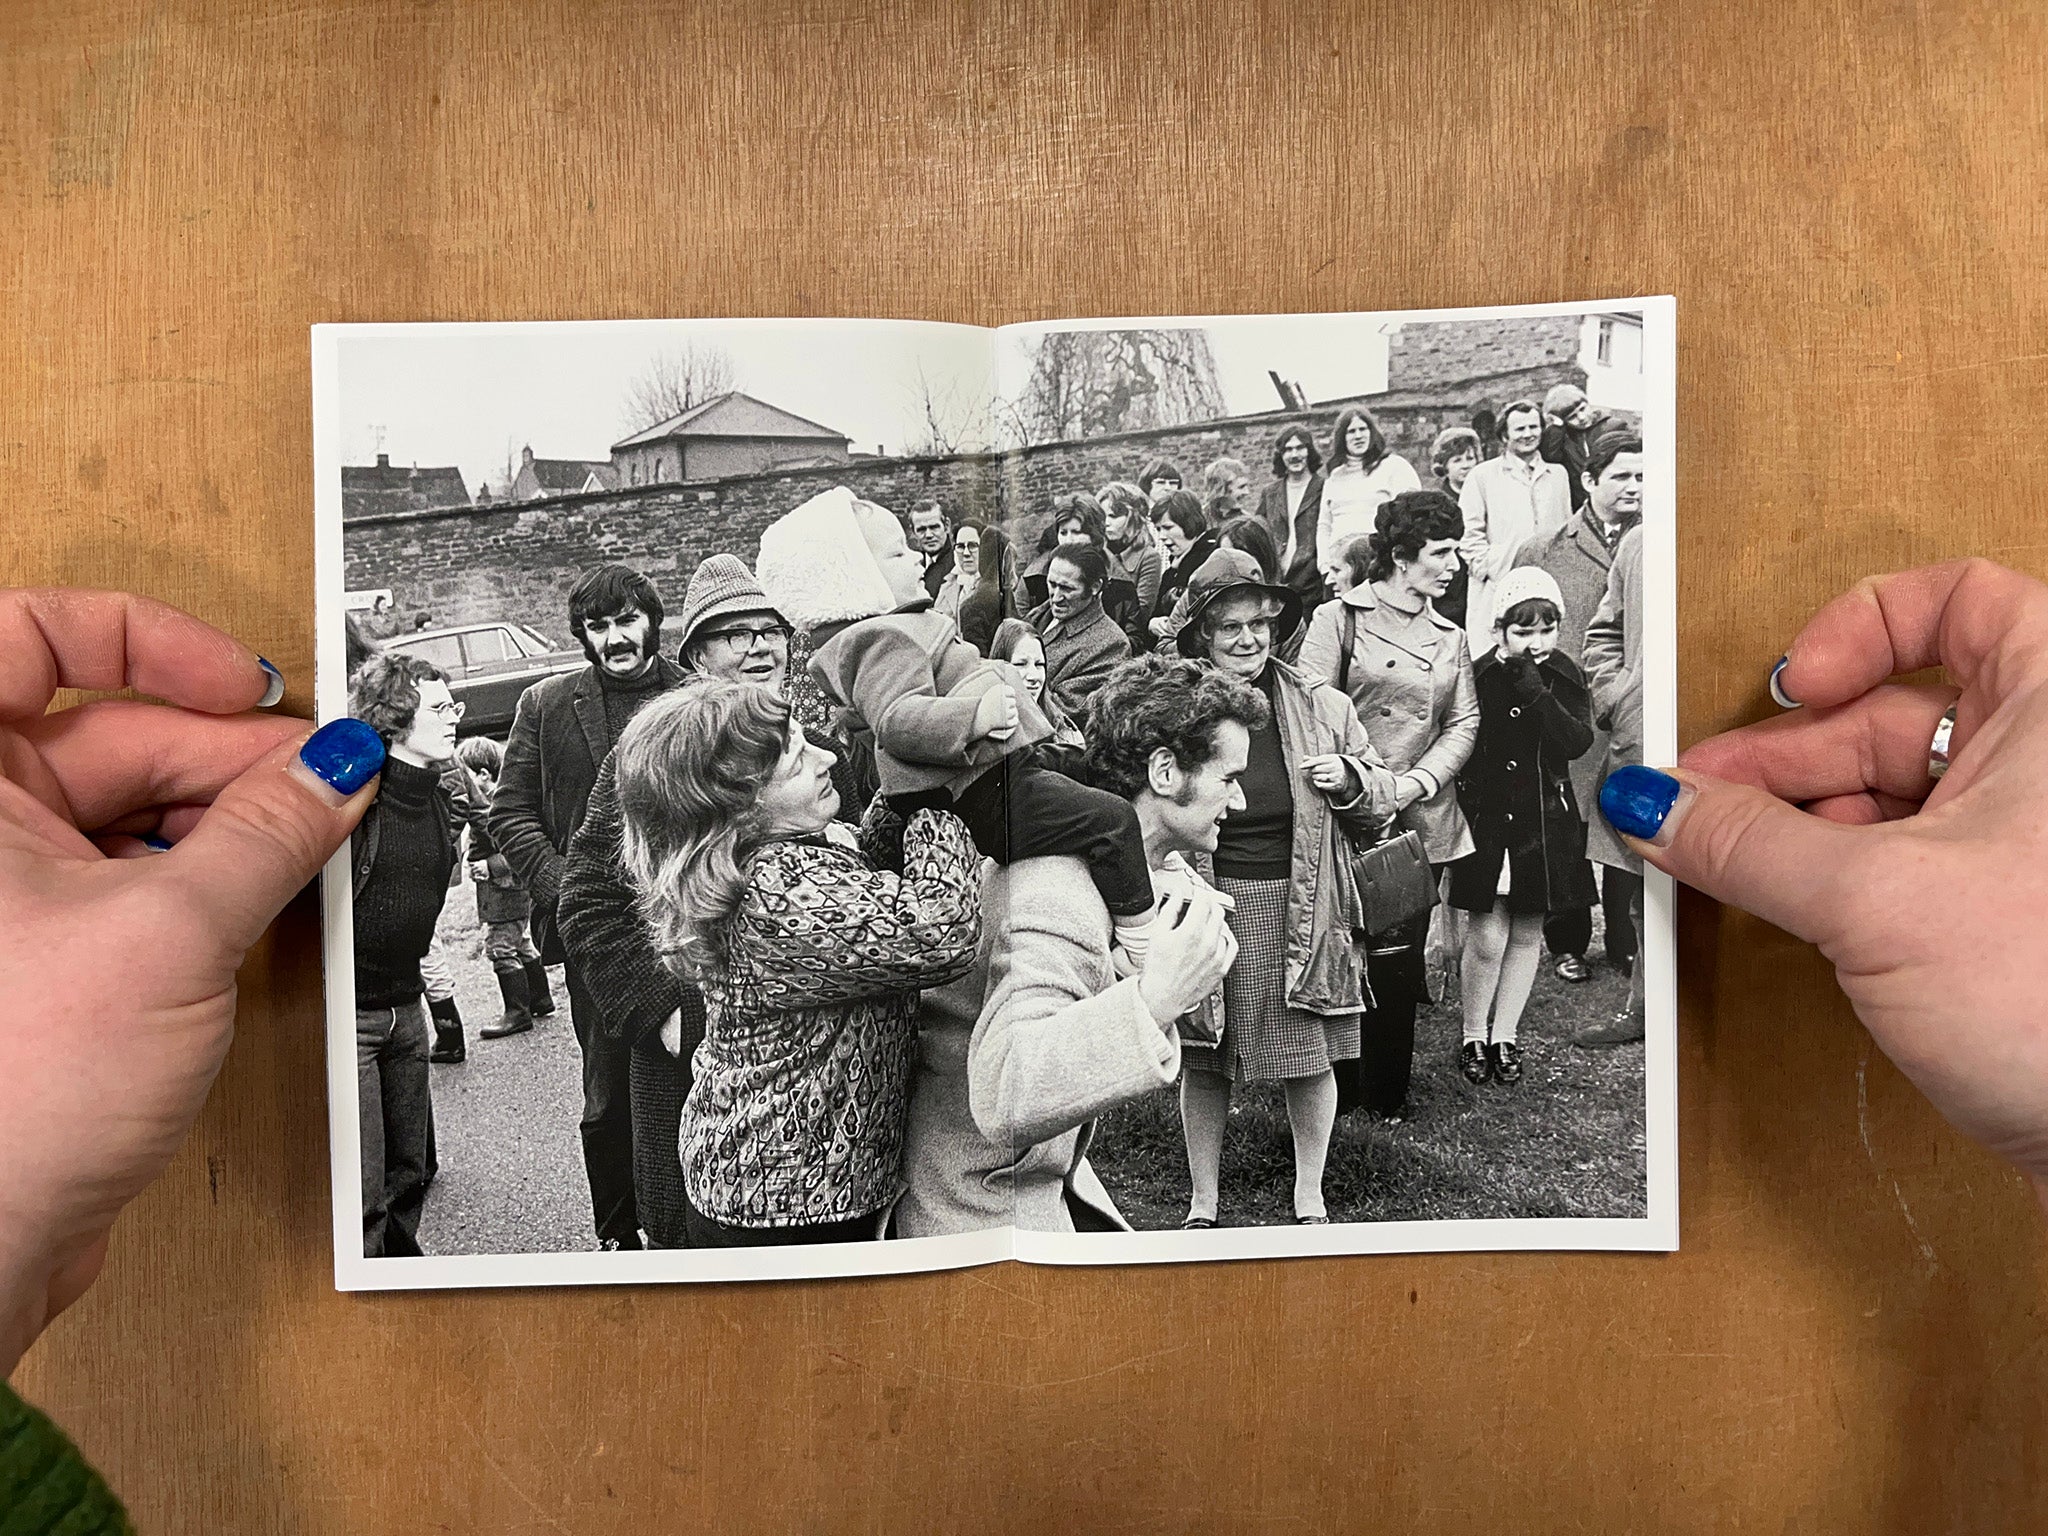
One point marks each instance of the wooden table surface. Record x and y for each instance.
(1848, 201)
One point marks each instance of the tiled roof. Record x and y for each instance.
(388, 487)
(732, 415)
(569, 475)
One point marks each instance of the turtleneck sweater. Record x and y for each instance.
(399, 904)
(624, 696)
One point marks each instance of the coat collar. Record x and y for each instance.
(1361, 597)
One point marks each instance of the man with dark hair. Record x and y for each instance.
(401, 858)
(931, 535)
(1020, 1055)
(1082, 642)
(1159, 480)
(1580, 557)
(1569, 422)
(564, 729)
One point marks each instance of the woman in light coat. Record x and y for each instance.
(1408, 671)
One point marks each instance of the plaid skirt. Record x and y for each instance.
(1263, 1039)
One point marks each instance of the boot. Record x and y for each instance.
(449, 1047)
(540, 1001)
(518, 1017)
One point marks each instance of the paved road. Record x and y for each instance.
(511, 1178)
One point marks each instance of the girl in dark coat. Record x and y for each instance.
(1529, 859)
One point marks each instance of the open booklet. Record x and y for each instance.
(867, 796)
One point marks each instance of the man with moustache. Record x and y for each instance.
(564, 729)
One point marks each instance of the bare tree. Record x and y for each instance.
(1089, 383)
(675, 380)
(945, 418)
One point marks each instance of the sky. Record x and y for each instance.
(468, 394)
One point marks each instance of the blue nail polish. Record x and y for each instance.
(1779, 696)
(156, 845)
(345, 753)
(274, 693)
(1635, 800)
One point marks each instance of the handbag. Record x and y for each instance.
(1395, 886)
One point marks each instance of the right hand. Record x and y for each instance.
(997, 714)
(1926, 896)
(1192, 949)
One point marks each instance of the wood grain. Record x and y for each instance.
(1848, 200)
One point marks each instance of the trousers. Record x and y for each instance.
(396, 1109)
(607, 1124)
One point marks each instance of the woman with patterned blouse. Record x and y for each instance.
(809, 956)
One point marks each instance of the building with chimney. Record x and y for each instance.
(729, 434)
(388, 487)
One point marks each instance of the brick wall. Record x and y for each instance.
(1440, 354)
(519, 561)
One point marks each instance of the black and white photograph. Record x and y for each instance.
(868, 796)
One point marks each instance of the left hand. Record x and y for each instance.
(118, 964)
(1330, 773)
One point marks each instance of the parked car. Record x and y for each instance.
(489, 666)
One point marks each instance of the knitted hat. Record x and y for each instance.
(816, 567)
(1223, 574)
(721, 585)
(1562, 400)
(1523, 583)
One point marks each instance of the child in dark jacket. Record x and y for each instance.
(504, 907)
(1535, 716)
(952, 730)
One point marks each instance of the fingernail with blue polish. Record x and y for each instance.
(1779, 696)
(156, 845)
(343, 754)
(1636, 800)
(273, 695)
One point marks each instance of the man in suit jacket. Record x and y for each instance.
(931, 535)
(563, 730)
(1580, 556)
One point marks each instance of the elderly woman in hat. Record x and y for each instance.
(1312, 782)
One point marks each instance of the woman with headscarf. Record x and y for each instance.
(1312, 782)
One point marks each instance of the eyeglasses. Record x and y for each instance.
(1239, 629)
(452, 710)
(743, 638)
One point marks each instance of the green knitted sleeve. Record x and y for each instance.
(46, 1489)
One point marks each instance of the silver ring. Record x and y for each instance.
(1937, 749)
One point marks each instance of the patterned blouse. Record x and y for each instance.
(802, 1084)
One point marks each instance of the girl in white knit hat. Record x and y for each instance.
(951, 729)
(1535, 716)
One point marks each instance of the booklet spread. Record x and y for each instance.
(867, 796)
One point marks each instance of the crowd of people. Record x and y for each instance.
(924, 851)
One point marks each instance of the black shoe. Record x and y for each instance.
(540, 998)
(518, 1019)
(1472, 1061)
(449, 1048)
(1507, 1061)
(620, 1244)
(1573, 969)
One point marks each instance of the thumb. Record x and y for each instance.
(1737, 844)
(270, 831)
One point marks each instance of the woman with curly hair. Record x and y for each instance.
(810, 959)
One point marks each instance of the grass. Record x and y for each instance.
(1568, 1140)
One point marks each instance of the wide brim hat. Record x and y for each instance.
(721, 586)
(1224, 574)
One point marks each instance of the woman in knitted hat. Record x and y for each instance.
(1529, 854)
(1291, 1002)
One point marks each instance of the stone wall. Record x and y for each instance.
(519, 561)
